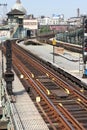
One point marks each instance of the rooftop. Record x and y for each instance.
(19, 7)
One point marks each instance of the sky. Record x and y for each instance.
(49, 7)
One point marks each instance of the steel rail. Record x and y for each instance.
(40, 95)
(58, 80)
(45, 98)
(45, 71)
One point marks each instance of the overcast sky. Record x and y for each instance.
(49, 7)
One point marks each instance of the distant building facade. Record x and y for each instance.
(55, 20)
(31, 23)
(76, 21)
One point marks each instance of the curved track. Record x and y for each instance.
(67, 46)
(60, 102)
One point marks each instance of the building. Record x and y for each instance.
(15, 23)
(21, 25)
(18, 5)
(15, 20)
(54, 20)
(75, 21)
(54, 23)
(31, 24)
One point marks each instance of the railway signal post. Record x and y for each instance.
(54, 43)
(85, 46)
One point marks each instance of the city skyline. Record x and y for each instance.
(38, 8)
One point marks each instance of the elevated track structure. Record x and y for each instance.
(61, 100)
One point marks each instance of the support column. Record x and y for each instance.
(9, 76)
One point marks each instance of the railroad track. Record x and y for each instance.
(61, 102)
(67, 46)
(65, 99)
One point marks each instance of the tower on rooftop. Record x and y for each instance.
(18, 1)
(18, 5)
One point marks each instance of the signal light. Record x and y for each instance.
(85, 30)
(85, 40)
(85, 25)
(85, 49)
(86, 21)
(85, 46)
